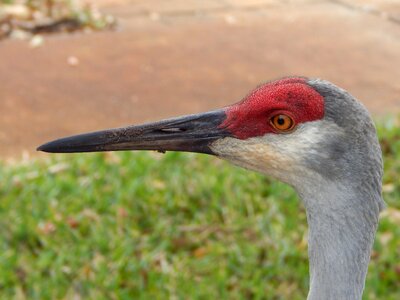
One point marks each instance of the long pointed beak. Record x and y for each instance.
(192, 133)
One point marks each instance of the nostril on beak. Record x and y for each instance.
(173, 130)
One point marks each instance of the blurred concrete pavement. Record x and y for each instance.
(185, 56)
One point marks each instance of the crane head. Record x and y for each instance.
(295, 129)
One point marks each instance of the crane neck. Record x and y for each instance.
(342, 227)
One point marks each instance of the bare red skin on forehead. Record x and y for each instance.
(292, 96)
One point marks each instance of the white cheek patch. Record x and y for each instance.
(279, 155)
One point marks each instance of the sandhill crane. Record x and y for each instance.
(305, 132)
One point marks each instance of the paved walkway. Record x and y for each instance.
(188, 56)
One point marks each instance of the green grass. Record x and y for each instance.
(174, 226)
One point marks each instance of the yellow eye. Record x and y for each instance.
(282, 122)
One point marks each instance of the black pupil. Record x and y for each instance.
(281, 120)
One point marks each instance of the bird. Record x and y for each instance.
(305, 132)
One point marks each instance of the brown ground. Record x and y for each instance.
(190, 56)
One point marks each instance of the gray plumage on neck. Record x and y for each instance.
(341, 234)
